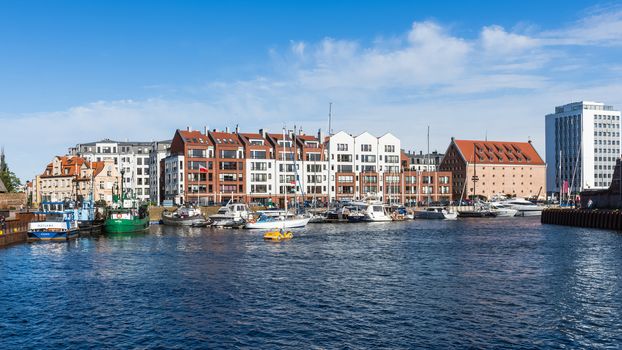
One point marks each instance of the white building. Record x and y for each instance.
(174, 178)
(159, 150)
(582, 145)
(131, 158)
(360, 166)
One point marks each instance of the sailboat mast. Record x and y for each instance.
(428, 165)
(284, 171)
(330, 109)
(474, 171)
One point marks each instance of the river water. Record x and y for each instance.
(483, 283)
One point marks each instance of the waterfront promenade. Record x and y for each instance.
(478, 283)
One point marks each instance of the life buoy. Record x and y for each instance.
(119, 216)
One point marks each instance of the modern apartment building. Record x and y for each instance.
(131, 158)
(215, 166)
(425, 162)
(582, 145)
(159, 150)
(490, 168)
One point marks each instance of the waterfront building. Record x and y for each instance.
(260, 167)
(131, 158)
(229, 165)
(159, 150)
(425, 162)
(582, 145)
(215, 166)
(189, 169)
(498, 168)
(422, 187)
(72, 177)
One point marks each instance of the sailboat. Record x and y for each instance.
(434, 212)
(287, 220)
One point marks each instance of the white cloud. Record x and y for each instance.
(500, 81)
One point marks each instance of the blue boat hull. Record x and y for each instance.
(52, 235)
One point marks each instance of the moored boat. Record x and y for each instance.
(436, 213)
(184, 216)
(231, 215)
(524, 207)
(60, 224)
(127, 220)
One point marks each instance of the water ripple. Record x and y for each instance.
(473, 283)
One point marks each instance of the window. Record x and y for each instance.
(389, 148)
(344, 168)
(258, 154)
(313, 157)
(258, 166)
(228, 154)
(345, 178)
(344, 157)
(342, 147)
(392, 159)
(365, 148)
(367, 158)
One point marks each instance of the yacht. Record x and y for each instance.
(278, 222)
(524, 207)
(232, 214)
(438, 213)
(502, 210)
(184, 216)
(373, 210)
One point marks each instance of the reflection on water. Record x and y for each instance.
(466, 283)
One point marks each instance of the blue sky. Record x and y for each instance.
(78, 71)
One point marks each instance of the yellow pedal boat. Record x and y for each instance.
(278, 235)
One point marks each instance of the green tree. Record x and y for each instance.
(10, 180)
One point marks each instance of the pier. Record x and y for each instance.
(14, 230)
(603, 219)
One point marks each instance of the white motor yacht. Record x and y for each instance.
(373, 210)
(230, 215)
(502, 210)
(524, 207)
(438, 213)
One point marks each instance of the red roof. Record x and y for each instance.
(225, 138)
(194, 137)
(499, 152)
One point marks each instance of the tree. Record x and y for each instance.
(10, 180)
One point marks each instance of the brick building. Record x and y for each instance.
(499, 167)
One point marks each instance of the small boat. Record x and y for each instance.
(282, 222)
(61, 223)
(317, 219)
(436, 213)
(356, 216)
(184, 216)
(503, 210)
(231, 215)
(278, 235)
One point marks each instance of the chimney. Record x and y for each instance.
(262, 132)
(187, 128)
(237, 129)
(205, 130)
(320, 136)
(227, 129)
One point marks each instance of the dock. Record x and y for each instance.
(592, 218)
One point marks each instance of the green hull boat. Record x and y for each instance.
(127, 220)
(126, 226)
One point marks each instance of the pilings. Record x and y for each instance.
(604, 219)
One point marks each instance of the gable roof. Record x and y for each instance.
(194, 137)
(499, 152)
(226, 138)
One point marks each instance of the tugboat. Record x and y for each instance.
(61, 223)
(126, 216)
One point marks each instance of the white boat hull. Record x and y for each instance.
(536, 212)
(278, 224)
